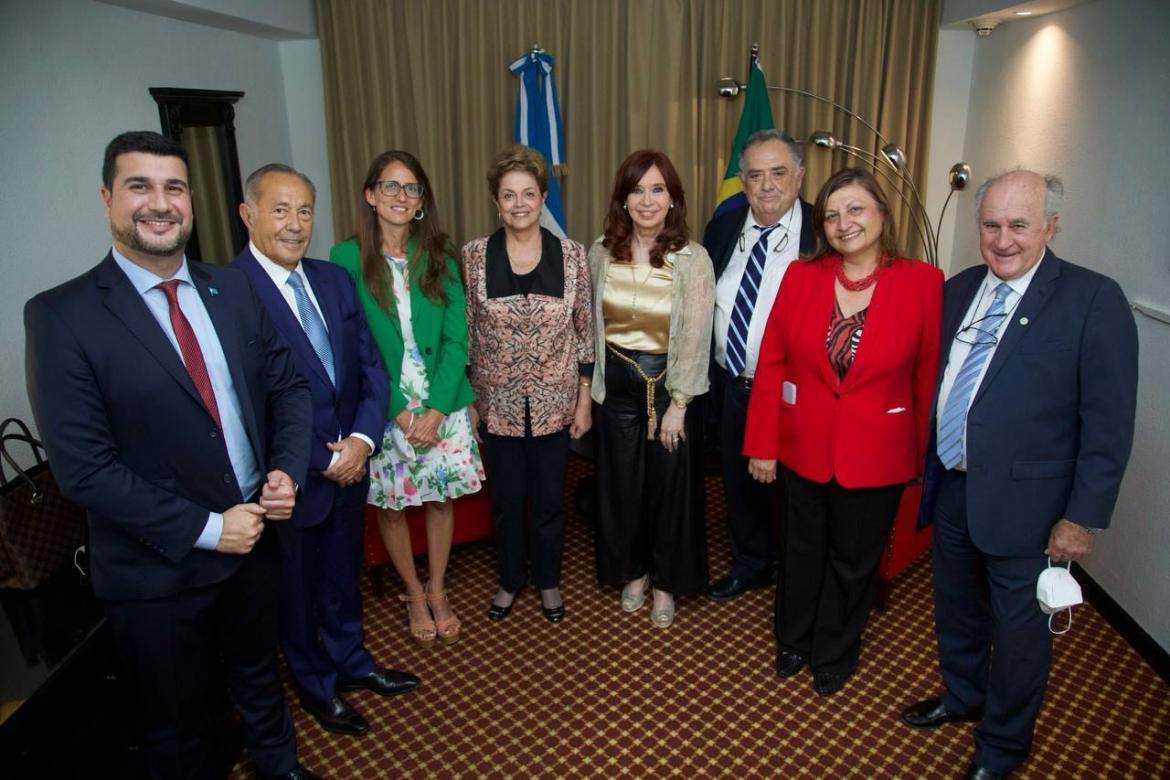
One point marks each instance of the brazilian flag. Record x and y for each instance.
(757, 115)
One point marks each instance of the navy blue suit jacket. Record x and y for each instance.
(128, 436)
(1051, 425)
(358, 402)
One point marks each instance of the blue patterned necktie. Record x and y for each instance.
(745, 303)
(311, 322)
(953, 423)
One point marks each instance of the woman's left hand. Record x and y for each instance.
(425, 432)
(670, 430)
(582, 416)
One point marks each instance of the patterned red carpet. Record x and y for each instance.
(606, 694)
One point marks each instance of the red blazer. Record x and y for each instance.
(871, 429)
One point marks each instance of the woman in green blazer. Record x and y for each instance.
(409, 284)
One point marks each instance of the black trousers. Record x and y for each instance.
(994, 647)
(167, 646)
(749, 503)
(527, 471)
(833, 542)
(650, 502)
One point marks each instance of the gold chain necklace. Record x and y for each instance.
(638, 285)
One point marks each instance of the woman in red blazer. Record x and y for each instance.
(841, 399)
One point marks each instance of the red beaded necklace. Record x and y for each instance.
(864, 283)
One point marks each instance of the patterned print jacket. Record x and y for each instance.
(527, 346)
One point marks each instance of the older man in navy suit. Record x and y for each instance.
(314, 308)
(1032, 431)
(173, 413)
(751, 247)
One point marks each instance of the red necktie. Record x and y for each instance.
(189, 347)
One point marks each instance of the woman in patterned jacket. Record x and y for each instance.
(530, 340)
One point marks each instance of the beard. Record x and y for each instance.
(159, 246)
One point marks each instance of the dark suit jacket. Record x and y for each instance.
(722, 232)
(358, 402)
(128, 436)
(1051, 425)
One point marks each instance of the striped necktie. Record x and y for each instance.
(745, 303)
(952, 426)
(313, 325)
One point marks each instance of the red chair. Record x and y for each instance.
(473, 521)
(905, 544)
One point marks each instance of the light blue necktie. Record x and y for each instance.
(953, 424)
(313, 325)
(745, 303)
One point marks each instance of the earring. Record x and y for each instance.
(418, 215)
(672, 205)
(625, 207)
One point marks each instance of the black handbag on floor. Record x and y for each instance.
(39, 530)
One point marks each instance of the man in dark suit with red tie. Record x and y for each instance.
(771, 170)
(314, 308)
(174, 414)
(1032, 430)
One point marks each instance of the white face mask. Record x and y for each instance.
(1056, 590)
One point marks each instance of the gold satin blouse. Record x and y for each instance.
(636, 306)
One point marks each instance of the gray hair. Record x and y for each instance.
(1053, 193)
(252, 185)
(771, 134)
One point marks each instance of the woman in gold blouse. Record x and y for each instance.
(653, 297)
(530, 343)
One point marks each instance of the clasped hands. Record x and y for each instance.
(243, 523)
(422, 430)
(349, 467)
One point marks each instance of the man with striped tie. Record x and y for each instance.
(751, 247)
(314, 308)
(1032, 430)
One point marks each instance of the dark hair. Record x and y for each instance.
(518, 157)
(252, 184)
(433, 244)
(888, 242)
(771, 134)
(145, 141)
(618, 224)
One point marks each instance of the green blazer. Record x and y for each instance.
(440, 332)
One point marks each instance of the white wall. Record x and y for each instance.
(948, 133)
(1083, 93)
(75, 74)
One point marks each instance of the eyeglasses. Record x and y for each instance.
(391, 188)
(976, 336)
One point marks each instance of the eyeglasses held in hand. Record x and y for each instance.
(391, 188)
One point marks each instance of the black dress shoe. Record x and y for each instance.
(554, 614)
(298, 772)
(788, 663)
(336, 715)
(732, 587)
(497, 613)
(828, 683)
(932, 713)
(983, 773)
(384, 682)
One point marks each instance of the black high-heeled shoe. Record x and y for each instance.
(497, 613)
(554, 614)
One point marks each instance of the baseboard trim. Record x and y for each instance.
(1153, 653)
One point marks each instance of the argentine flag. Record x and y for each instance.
(538, 124)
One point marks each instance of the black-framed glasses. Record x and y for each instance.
(981, 332)
(390, 188)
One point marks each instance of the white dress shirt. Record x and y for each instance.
(960, 348)
(780, 254)
(279, 275)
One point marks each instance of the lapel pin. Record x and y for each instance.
(1023, 320)
(213, 291)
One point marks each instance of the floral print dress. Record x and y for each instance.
(400, 474)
